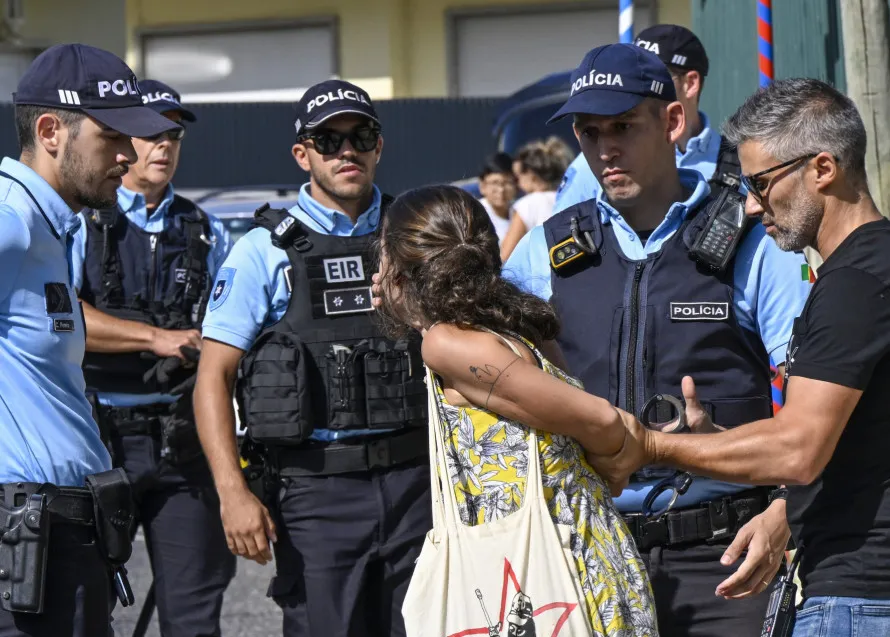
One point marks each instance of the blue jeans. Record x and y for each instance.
(843, 617)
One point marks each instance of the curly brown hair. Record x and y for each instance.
(443, 264)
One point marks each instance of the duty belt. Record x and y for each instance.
(140, 420)
(707, 522)
(378, 453)
(68, 505)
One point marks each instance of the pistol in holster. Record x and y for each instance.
(24, 544)
(258, 473)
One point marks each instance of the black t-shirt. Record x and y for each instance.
(843, 337)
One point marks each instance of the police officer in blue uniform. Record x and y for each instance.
(143, 268)
(699, 147)
(336, 412)
(643, 303)
(63, 512)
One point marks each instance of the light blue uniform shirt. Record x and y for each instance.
(579, 184)
(769, 293)
(255, 293)
(47, 431)
(133, 206)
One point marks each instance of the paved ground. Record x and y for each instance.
(246, 610)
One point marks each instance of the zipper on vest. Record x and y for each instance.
(152, 273)
(630, 371)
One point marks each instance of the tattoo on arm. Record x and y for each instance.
(490, 375)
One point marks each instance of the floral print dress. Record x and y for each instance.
(488, 464)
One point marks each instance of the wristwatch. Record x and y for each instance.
(778, 494)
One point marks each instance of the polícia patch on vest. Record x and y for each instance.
(699, 311)
(221, 287)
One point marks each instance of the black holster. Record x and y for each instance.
(258, 473)
(24, 544)
(179, 434)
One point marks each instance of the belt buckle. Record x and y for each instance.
(378, 454)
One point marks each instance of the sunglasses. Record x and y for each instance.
(170, 136)
(751, 182)
(328, 142)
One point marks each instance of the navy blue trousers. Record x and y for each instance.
(178, 510)
(346, 550)
(684, 580)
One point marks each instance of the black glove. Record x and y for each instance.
(166, 369)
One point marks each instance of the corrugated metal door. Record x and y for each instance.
(806, 42)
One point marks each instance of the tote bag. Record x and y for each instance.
(514, 576)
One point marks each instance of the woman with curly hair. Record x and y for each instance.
(490, 348)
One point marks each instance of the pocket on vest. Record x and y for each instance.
(276, 392)
(395, 393)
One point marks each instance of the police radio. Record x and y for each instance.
(781, 612)
(724, 226)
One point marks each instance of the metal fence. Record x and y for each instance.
(426, 141)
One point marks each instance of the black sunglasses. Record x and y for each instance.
(174, 135)
(327, 142)
(750, 181)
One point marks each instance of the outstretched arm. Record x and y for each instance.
(482, 370)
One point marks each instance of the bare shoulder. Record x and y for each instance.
(448, 349)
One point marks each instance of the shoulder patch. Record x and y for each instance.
(222, 287)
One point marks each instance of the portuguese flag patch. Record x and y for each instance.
(806, 273)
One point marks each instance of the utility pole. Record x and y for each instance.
(867, 66)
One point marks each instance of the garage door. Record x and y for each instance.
(244, 65)
(496, 54)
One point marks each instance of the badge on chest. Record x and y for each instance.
(58, 304)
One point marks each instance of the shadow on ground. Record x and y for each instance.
(246, 609)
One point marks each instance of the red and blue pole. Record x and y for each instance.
(765, 40)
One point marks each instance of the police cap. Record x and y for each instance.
(614, 78)
(162, 98)
(330, 98)
(675, 46)
(83, 78)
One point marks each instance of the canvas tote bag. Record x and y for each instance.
(513, 576)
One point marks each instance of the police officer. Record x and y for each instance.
(76, 108)
(699, 146)
(337, 411)
(143, 267)
(802, 147)
(643, 302)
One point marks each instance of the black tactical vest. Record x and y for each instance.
(156, 278)
(325, 364)
(633, 329)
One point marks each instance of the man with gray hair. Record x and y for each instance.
(802, 149)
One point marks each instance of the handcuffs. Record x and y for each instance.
(680, 481)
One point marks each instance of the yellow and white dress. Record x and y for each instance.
(488, 463)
